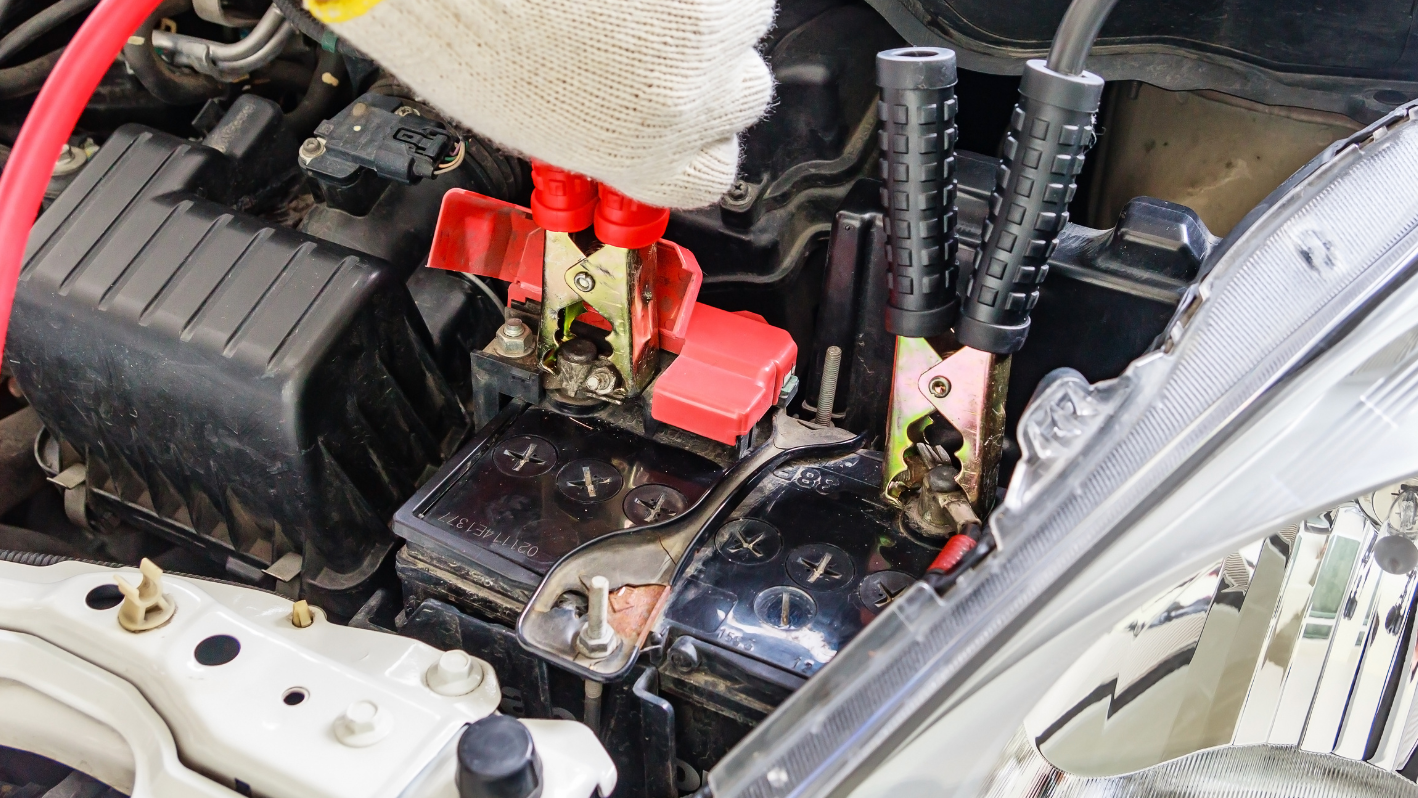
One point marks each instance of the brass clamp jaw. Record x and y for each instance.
(966, 388)
(618, 285)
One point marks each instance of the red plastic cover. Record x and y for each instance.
(728, 374)
(731, 366)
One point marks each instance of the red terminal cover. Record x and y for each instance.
(731, 366)
(562, 201)
(726, 377)
(623, 222)
(489, 238)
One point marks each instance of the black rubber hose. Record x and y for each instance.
(27, 78)
(27, 32)
(284, 75)
(313, 29)
(1076, 34)
(324, 92)
(172, 86)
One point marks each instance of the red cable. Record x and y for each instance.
(50, 122)
(953, 552)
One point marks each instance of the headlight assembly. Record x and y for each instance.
(1286, 385)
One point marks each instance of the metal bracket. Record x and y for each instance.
(74, 481)
(641, 563)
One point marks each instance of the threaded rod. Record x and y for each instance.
(827, 391)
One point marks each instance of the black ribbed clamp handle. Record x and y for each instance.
(917, 112)
(1043, 152)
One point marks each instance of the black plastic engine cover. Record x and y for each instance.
(230, 383)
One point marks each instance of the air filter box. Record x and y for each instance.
(230, 384)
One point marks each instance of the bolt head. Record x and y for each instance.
(363, 723)
(684, 657)
(512, 338)
(939, 387)
(600, 381)
(312, 148)
(69, 161)
(584, 282)
(454, 674)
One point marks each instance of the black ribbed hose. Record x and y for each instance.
(917, 112)
(1043, 151)
(44, 560)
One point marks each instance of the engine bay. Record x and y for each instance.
(285, 325)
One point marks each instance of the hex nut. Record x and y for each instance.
(513, 339)
(597, 639)
(601, 380)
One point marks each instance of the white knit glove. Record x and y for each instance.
(647, 96)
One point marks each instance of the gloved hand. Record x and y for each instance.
(647, 96)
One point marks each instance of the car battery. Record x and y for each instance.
(808, 560)
(533, 485)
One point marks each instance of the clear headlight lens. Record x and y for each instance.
(1287, 385)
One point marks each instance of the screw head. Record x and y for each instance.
(648, 294)
(584, 282)
(939, 387)
(312, 148)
